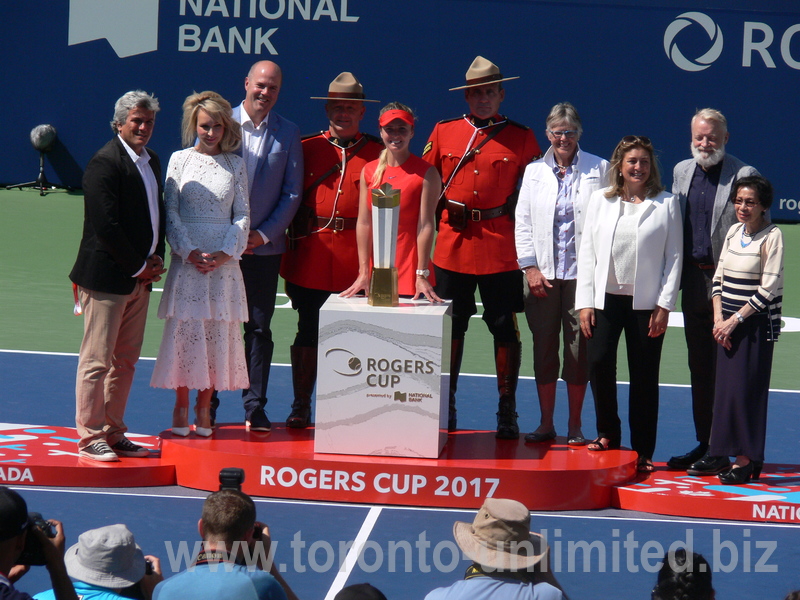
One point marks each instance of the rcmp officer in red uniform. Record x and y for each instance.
(323, 254)
(481, 157)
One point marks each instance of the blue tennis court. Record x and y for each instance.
(406, 552)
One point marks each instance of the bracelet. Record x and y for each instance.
(424, 273)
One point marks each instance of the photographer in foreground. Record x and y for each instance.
(107, 564)
(235, 562)
(15, 529)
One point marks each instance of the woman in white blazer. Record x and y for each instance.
(628, 278)
(549, 222)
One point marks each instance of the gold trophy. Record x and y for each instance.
(385, 215)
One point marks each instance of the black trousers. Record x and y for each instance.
(260, 274)
(307, 302)
(644, 359)
(501, 295)
(698, 326)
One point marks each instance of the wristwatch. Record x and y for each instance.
(423, 273)
(739, 317)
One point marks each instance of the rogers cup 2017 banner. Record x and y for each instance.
(629, 66)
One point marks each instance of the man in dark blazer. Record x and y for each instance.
(273, 154)
(120, 255)
(703, 185)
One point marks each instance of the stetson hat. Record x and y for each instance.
(481, 72)
(345, 87)
(500, 536)
(107, 556)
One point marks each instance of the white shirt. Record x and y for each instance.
(142, 162)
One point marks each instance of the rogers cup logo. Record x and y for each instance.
(679, 24)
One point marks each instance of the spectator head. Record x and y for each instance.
(684, 576)
(107, 557)
(228, 516)
(499, 538)
(360, 591)
(13, 524)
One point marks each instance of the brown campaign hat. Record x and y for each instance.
(481, 72)
(500, 536)
(345, 87)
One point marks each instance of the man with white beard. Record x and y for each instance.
(702, 185)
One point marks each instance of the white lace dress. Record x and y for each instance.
(207, 209)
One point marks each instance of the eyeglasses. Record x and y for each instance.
(631, 139)
(567, 133)
(747, 203)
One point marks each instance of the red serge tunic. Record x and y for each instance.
(487, 246)
(407, 178)
(328, 259)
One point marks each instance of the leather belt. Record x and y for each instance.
(476, 214)
(703, 266)
(336, 223)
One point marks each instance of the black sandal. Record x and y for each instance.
(645, 465)
(600, 446)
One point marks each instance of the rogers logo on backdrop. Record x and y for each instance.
(714, 36)
(759, 42)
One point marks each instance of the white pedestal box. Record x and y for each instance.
(382, 379)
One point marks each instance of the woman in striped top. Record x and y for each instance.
(747, 294)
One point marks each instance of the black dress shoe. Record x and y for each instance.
(684, 461)
(709, 465)
(739, 475)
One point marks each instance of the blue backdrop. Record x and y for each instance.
(630, 67)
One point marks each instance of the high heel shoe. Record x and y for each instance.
(738, 476)
(202, 415)
(180, 415)
(757, 466)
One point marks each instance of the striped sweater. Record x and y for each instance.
(752, 274)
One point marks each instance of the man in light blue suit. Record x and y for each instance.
(274, 157)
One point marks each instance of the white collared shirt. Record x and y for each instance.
(142, 162)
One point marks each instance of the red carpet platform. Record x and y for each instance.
(43, 455)
(473, 465)
(774, 498)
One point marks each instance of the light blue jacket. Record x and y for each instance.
(278, 182)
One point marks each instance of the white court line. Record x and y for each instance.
(375, 510)
(355, 551)
(526, 377)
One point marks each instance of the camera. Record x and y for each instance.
(231, 478)
(33, 553)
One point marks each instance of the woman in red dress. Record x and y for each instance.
(420, 185)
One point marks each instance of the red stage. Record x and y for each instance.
(774, 498)
(473, 465)
(43, 455)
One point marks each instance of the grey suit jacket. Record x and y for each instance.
(724, 215)
(277, 183)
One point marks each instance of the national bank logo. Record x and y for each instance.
(131, 27)
(715, 41)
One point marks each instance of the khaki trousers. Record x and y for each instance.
(113, 331)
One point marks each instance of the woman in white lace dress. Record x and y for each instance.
(204, 301)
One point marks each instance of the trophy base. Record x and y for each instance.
(383, 288)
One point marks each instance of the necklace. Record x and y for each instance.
(745, 234)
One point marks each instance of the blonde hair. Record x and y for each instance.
(383, 158)
(218, 109)
(653, 184)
